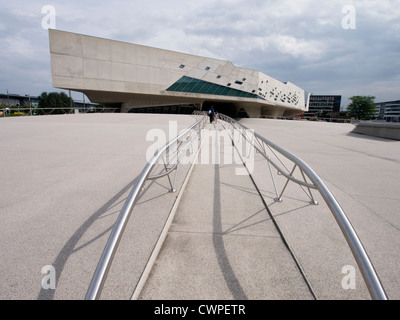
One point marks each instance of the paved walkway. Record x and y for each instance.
(223, 244)
(363, 173)
(64, 180)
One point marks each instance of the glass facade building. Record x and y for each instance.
(323, 104)
(192, 85)
(389, 111)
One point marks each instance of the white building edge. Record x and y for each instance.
(134, 76)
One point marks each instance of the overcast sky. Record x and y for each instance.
(325, 47)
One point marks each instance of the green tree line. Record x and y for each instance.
(362, 107)
(54, 103)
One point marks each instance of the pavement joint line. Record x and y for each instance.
(149, 265)
(283, 238)
(224, 234)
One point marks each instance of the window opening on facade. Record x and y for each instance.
(192, 85)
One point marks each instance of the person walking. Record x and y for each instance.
(211, 114)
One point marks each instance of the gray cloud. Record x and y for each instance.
(298, 41)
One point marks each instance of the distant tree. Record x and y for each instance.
(362, 107)
(54, 103)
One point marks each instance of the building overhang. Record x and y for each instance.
(114, 72)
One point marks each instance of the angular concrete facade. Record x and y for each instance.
(134, 76)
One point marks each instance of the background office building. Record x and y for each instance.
(389, 111)
(9, 100)
(323, 105)
(27, 103)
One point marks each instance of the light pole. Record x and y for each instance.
(30, 107)
(70, 101)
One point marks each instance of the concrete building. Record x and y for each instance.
(320, 104)
(9, 99)
(28, 101)
(131, 77)
(389, 111)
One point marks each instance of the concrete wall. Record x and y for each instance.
(133, 75)
(382, 130)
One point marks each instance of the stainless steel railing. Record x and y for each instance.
(261, 145)
(170, 156)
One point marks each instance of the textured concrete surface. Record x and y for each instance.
(64, 180)
(223, 247)
(223, 244)
(381, 130)
(109, 71)
(363, 174)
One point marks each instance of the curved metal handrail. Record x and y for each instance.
(369, 274)
(110, 249)
(370, 277)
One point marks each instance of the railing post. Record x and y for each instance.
(103, 267)
(369, 274)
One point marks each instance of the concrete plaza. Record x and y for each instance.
(64, 180)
